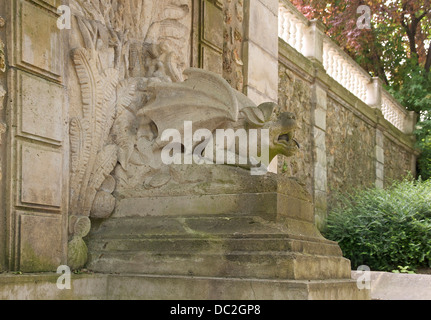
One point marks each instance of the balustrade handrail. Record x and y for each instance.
(344, 69)
(345, 56)
(387, 95)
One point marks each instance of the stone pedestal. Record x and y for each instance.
(229, 230)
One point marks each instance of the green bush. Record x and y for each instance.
(384, 229)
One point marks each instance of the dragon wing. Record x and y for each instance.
(205, 98)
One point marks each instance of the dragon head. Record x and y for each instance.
(281, 127)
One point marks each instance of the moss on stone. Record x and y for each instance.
(77, 253)
(33, 262)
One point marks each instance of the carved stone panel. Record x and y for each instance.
(38, 44)
(212, 24)
(50, 3)
(209, 35)
(40, 108)
(41, 176)
(219, 35)
(211, 60)
(3, 131)
(40, 248)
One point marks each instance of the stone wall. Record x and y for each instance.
(295, 96)
(399, 161)
(346, 143)
(350, 143)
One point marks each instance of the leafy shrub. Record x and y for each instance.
(384, 229)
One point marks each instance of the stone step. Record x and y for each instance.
(149, 287)
(153, 287)
(250, 243)
(231, 246)
(260, 265)
(269, 205)
(200, 226)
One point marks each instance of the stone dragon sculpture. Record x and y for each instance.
(207, 101)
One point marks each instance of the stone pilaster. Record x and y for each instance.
(313, 49)
(260, 53)
(410, 122)
(320, 183)
(261, 50)
(374, 100)
(380, 158)
(37, 157)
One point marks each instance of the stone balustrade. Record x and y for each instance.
(344, 69)
(292, 26)
(308, 38)
(396, 114)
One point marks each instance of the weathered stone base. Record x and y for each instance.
(215, 232)
(264, 256)
(238, 225)
(149, 287)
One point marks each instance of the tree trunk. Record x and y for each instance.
(428, 60)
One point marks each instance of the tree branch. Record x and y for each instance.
(424, 14)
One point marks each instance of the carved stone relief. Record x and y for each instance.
(208, 102)
(127, 46)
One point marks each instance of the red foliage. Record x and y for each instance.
(399, 30)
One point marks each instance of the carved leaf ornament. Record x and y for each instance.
(108, 95)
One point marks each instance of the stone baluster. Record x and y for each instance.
(330, 69)
(363, 94)
(281, 19)
(344, 75)
(281, 22)
(292, 31)
(285, 25)
(351, 79)
(325, 58)
(299, 36)
(339, 62)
